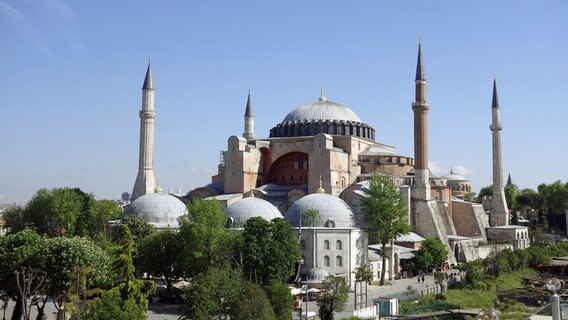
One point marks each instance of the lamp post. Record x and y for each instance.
(553, 285)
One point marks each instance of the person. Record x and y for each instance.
(422, 278)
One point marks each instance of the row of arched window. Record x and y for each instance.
(338, 245)
(338, 261)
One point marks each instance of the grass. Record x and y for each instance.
(484, 297)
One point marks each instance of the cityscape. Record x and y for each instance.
(382, 172)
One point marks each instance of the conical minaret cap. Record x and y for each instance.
(495, 102)
(148, 82)
(419, 66)
(248, 110)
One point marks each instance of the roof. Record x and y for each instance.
(244, 209)
(321, 110)
(160, 210)
(410, 237)
(379, 149)
(148, 81)
(332, 211)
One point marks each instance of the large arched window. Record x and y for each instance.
(338, 261)
(338, 245)
(326, 245)
(325, 261)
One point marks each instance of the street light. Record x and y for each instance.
(553, 285)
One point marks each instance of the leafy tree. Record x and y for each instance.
(159, 254)
(511, 193)
(252, 303)
(308, 217)
(269, 250)
(16, 253)
(133, 292)
(208, 243)
(364, 273)
(280, 299)
(212, 294)
(109, 307)
(333, 297)
(470, 197)
(432, 253)
(139, 228)
(54, 212)
(485, 191)
(13, 219)
(95, 215)
(385, 213)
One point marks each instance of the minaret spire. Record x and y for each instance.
(420, 108)
(145, 181)
(499, 210)
(249, 120)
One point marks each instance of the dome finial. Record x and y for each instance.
(321, 189)
(158, 189)
(452, 169)
(322, 96)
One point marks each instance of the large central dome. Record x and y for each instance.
(322, 116)
(322, 110)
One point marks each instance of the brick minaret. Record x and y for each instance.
(249, 121)
(421, 186)
(145, 181)
(499, 211)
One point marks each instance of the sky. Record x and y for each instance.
(72, 72)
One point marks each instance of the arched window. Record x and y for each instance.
(326, 245)
(303, 244)
(326, 261)
(338, 261)
(338, 245)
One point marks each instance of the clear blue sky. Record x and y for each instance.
(72, 72)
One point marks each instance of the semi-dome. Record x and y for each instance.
(243, 209)
(332, 212)
(321, 110)
(160, 210)
(322, 116)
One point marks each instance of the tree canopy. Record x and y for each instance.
(333, 297)
(385, 213)
(432, 253)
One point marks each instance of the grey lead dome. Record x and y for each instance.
(332, 211)
(246, 208)
(321, 111)
(160, 210)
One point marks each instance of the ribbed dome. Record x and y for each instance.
(454, 177)
(332, 211)
(160, 210)
(317, 274)
(243, 209)
(322, 110)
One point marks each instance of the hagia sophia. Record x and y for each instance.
(320, 157)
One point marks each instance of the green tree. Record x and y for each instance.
(17, 251)
(109, 307)
(470, 197)
(133, 292)
(432, 253)
(208, 243)
(211, 295)
(511, 193)
(385, 213)
(13, 219)
(364, 273)
(485, 191)
(280, 299)
(252, 303)
(269, 250)
(333, 297)
(159, 254)
(54, 212)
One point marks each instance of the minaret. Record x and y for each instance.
(249, 121)
(145, 182)
(421, 186)
(509, 181)
(499, 211)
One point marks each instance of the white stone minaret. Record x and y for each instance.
(145, 181)
(249, 121)
(499, 211)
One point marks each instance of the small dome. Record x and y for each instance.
(160, 210)
(317, 274)
(332, 211)
(243, 209)
(454, 177)
(322, 110)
